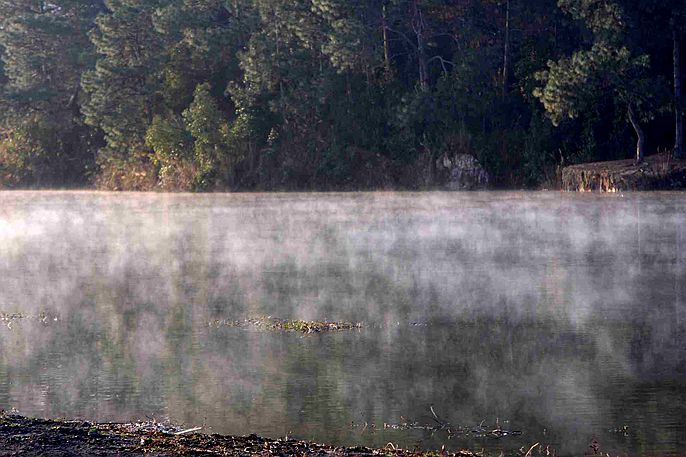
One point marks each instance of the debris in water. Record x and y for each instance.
(271, 323)
(480, 431)
(42, 317)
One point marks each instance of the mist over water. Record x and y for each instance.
(562, 316)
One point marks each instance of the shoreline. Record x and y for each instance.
(659, 172)
(25, 436)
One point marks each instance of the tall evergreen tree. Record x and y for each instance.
(152, 57)
(203, 94)
(46, 51)
(122, 87)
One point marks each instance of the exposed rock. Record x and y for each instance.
(658, 172)
(464, 172)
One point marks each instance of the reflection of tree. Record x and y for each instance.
(245, 381)
(528, 312)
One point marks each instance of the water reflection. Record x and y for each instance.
(558, 315)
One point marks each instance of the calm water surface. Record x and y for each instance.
(560, 316)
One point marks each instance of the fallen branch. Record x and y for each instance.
(190, 430)
(528, 453)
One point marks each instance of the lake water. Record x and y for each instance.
(560, 316)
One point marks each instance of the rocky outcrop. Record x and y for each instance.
(464, 172)
(658, 172)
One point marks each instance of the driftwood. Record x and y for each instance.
(658, 172)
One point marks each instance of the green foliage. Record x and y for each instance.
(325, 94)
(209, 130)
(36, 151)
(168, 139)
(121, 86)
(45, 50)
(20, 156)
(200, 139)
(573, 84)
(171, 144)
(604, 18)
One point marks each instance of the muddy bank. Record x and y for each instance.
(36, 437)
(658, 172)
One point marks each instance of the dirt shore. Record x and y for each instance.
(657, 172)
(21, 436)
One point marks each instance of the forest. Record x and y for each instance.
(252, 95)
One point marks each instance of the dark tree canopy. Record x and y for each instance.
(331, 94)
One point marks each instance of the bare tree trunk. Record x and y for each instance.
(386, 44)
(506, 57)
(418, 26)
(73, 103)
(679, 130)
(429, 151)
(640, 144)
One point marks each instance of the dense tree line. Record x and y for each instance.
(324, 94)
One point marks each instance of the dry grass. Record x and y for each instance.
(135, 174)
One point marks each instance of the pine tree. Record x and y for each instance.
(152, 57)
(45, 51)
(122, 87)
(185, 94)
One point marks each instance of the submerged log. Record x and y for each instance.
(657, 172)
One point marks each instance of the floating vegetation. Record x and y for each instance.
(43, 317)
(313, 327)
(623, 430)
(270, 323)
(495, 432)
(440, 425)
